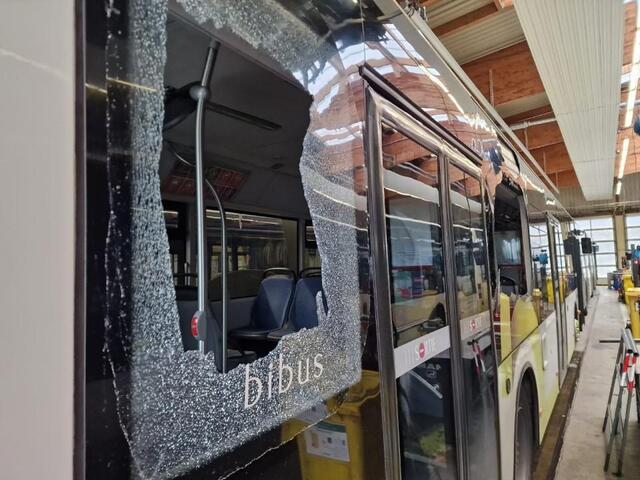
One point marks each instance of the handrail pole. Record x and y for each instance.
(200, 93)
(225, 266)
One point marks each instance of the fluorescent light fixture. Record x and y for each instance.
(635, 73)
(618, 187)
(623, 158)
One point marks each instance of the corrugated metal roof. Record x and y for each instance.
(577, 47)
(494, 32)
(574, 201)
(444, 12)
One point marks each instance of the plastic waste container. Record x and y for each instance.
(345, 445)
(633, 302)
(627, 284)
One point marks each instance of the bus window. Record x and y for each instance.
(176, 225)
(470, 244)
(508, 242)
(255, 243)
(517, 312)
(540, 256)
(571, 273)
(478, 356)
(274, 151)
(311, 258)
(563, 266)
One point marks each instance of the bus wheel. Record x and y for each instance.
(524, 448)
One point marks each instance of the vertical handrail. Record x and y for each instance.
(200, 93)
(223, 230)
(225, 264)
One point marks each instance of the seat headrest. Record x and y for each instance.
(271, 306)
(304, 313)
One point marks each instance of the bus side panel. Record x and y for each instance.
(38, 238)
(571, 304)
(539, 353)
(510, 372)
(546, 369)
(507, 408)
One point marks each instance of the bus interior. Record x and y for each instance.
(256, 119)
(507, 240)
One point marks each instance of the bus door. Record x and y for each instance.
(558, 288)
(410, 288)
(419, 344)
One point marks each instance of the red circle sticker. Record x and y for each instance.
(421, 350)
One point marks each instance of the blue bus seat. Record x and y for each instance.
(303, 312)
(270, 308)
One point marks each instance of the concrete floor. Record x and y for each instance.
(583, 451)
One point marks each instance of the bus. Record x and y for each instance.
(308, 249)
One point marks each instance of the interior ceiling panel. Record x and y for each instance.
(492, 33)
(577, 48)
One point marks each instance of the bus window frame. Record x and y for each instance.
(473, 171)
(185, 210)
(454, 158)
(261, 213)
(526, 242)
(180, 233)
(558, 300)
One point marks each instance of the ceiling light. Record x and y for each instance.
(623, 158)
(618, 187)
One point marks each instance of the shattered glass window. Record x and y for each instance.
(283, 139)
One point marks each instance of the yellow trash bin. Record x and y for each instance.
(348, 444)
(627, 284)
(633, 295)
(549, 291)
(537, 302)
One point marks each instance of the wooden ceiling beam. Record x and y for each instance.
(539, 136)
(430, 3)
(534, 114)
(632, 165)
(629, 32)
(465, 20)
(565, 179)
(553, 158)
(506, 75)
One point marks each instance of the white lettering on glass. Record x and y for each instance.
(318, 365)
(281, 369)
(248, 379)
(253, 385)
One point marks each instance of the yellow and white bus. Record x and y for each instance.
(306, 247)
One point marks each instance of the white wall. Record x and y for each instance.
(36, 238)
